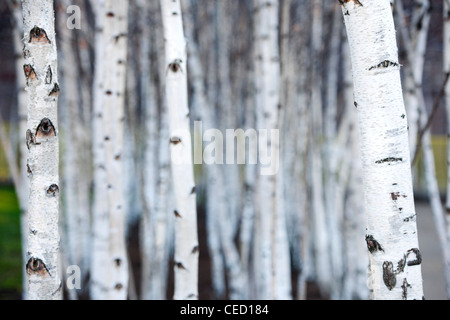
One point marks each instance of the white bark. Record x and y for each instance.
(270, 234)
(115, 33)
(43, 267)
(110, 280)
(186, 239)
(100, 216)
(389, 201)
(356, 259)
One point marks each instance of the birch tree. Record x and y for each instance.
(270, 246)
(109, 260)
(41, 73)
(395, 258)
(186, 239)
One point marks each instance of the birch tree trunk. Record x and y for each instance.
(270, 230)
(43, 268)
(186, 239)
(110, 280)
(389, 201)
(115, 33)
(75, 215)
(100, 216)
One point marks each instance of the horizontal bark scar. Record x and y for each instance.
(389, 160)
(384, 65)
(396, 195)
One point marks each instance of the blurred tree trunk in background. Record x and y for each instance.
(109, 273)
(186, 238)
(21, 189)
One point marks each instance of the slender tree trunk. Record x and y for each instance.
(389, 201)
(271, 241)
(100, 216)
(110, 262)
(186, 238)
(41, 72)
(115, 33)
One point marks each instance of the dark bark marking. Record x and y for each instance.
(417, 260)
(31, 140)
(396, 195)
(37, 267)
(388, 160)
(38, 35)
(175, 140)
(55, 91)
(45, 129)
(52, 190)
(175, 66)
(29, 72)
(405, 287)
(49, 76)
(179, 265)
(384, 65)
(372, 244)
(389, 278)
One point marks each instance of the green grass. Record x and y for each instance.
(10, 244)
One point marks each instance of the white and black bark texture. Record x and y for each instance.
(395, 258)
(109, 273)
(40, 69)
(185, 214)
